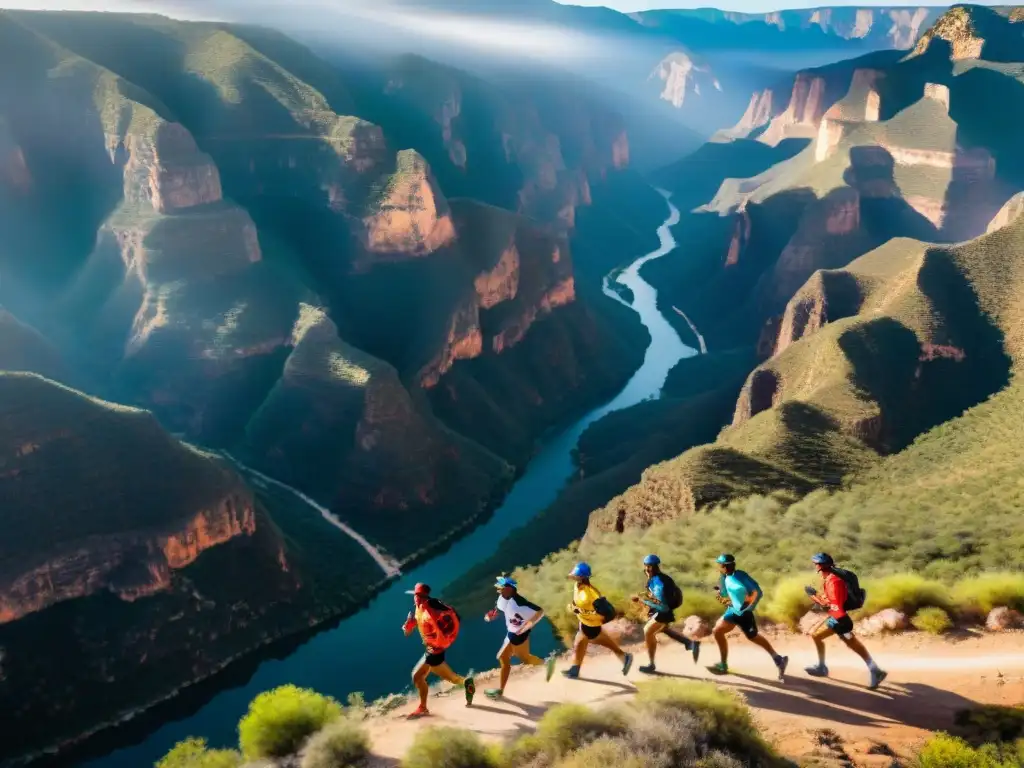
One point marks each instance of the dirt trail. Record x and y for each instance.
(929, 680)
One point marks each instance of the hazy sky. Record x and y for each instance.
(749, 6)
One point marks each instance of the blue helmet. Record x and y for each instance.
(726, 560)
(581, 569)
(823, 558)
(652, 560)
(505, 581)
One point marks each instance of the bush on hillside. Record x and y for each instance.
(991, 722)
(449, 748)
(566, 727)
(725, 721)
(907, 593)
(343, 744)
(278, 721)
(934, 621)
(945, 751)
(193, 753)
(787, 602)
(978, 595)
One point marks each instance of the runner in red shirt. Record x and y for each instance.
(838, 622)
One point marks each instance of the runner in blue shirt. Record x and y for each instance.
(661, 597)
(737, 590)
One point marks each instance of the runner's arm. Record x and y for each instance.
(753, 591)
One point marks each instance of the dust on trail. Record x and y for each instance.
(929, 680)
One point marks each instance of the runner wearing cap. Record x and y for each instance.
(661, 597)
(439, 626)
(737, 590)
(584, 598)
(521, 616)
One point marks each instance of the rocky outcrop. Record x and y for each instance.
(861, 104)
(411, 217)
(681, 75)
(100, 453)
(740, 238)
(167, 171)
(1008, 213)
(955, 27)
(803, 114)
(759, 113)
(132, 565)
(1002, 619)
(463, 341)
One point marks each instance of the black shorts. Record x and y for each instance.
(744, 621)
(434, 659)
(514, 639)
(842, 626)
(589, 632)
(666, 617)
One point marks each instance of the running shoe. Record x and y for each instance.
(818, 670)
(494, 693)
(420, 711)
(721, 668)
(781, 663)
(572, 672)
(470, 687)
(647, 669)
(877, 676)
(627, 662)
(549, 667)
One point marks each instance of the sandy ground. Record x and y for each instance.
(929, 680)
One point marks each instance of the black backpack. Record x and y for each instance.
(673, 594)
(855, 594)
(604, 608)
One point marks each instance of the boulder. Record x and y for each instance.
(1002, 618)
(695, 627)
(624, 631)
(889, 620)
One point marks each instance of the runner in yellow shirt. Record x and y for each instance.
(591, 621)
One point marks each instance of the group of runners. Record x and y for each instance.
(438, 624)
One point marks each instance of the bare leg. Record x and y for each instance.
(505, 660)
(857, 647)
(420, 673)
(522, 652)
(819, 636)
(579, 649)
(445, 673)
(723, 628)
(651, 630)
(605, 640)
(762, 641)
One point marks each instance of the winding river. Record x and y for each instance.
(367, 652)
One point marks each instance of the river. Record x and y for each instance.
(367, 652)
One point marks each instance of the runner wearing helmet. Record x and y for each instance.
(521, 616)
(661, 597)
(737, 590)
(834, 600)
(438, 625)
(584, 596)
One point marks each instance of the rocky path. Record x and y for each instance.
(929, 680)
(387, 564)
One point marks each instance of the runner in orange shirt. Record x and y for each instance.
(439, 626)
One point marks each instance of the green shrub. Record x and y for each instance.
(701, 604)
(979, 595)
(278, 721)
(991, 722)
(564, 728)
(906, 592)
(786, 602)
(723, 716)
(344, 744)
(945, 751)
(606, 752)
(193, 753)
(449, 748)
(932, 620)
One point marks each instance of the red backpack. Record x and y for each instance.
(442, 629)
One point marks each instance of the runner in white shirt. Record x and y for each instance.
(521, 616)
